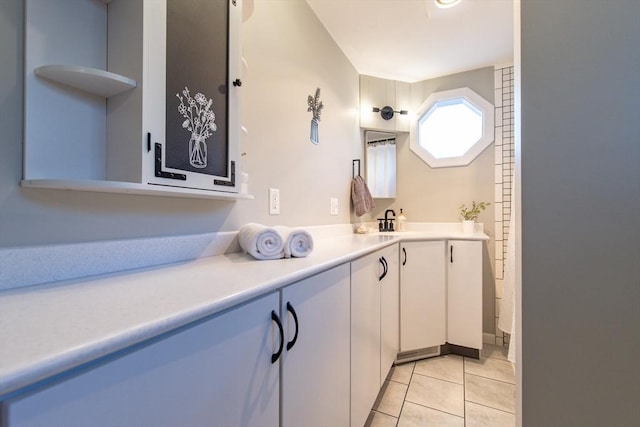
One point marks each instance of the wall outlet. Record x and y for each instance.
(334, 206)
(274, 201)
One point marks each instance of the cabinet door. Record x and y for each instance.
(389, 312)
(365, 335)
(315, 366)
(192, 101)
(464, 300)
(218, 372)
(423, 298)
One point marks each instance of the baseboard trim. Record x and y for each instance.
(460, 350)
(488, 338)
(410, 356)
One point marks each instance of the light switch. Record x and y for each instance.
(334, 206)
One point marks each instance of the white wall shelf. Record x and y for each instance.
(92, 80)
(132, 188)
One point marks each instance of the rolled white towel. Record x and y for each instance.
(297, 242)
(261, 242)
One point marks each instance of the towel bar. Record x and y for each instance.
(353, 168)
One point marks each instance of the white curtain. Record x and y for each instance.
(381, 169)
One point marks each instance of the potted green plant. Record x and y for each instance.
(470, 215)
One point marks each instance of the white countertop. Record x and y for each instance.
(49, 329)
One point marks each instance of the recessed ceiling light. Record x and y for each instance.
(446, 3)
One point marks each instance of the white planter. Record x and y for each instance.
(468, 227)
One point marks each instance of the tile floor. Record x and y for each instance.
(449, 391)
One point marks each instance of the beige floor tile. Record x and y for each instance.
(391, 398)
(401, 373)
(419, 416)
(448, 368)
(496, 369)
(483, 416)
(488, 392)
(437, 394)
(494, 351)
(377, 419)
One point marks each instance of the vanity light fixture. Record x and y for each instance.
(387, 112)
(444, 4)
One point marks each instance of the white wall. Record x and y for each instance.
(434, 195)
(289, 55)
(580, 154)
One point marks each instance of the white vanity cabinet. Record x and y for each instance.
(101, 106)
(218, 372)
(315, 360)
(423, 315)
(374, 327)
(389, 312)
(441, 296)
(464, 298)
(238, 368)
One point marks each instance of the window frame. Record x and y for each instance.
(467, 95)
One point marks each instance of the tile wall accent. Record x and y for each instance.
(504, 167)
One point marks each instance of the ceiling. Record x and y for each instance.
(413, 40)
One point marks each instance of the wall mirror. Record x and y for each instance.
(451, 128)
(380, 158)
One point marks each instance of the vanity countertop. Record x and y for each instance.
(52, 328)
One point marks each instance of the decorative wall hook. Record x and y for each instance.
(387, 112)
(315, 106)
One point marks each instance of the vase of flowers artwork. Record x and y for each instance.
(199, 119)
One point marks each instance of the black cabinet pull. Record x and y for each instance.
(404, 251)
(290, 309)
(385, 268)
(237, 82)
(451, 252)
(275, 318)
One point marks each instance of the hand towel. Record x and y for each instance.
(297, 242)
(361, 197)
(261, 242)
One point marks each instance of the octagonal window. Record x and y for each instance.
(452, 128)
